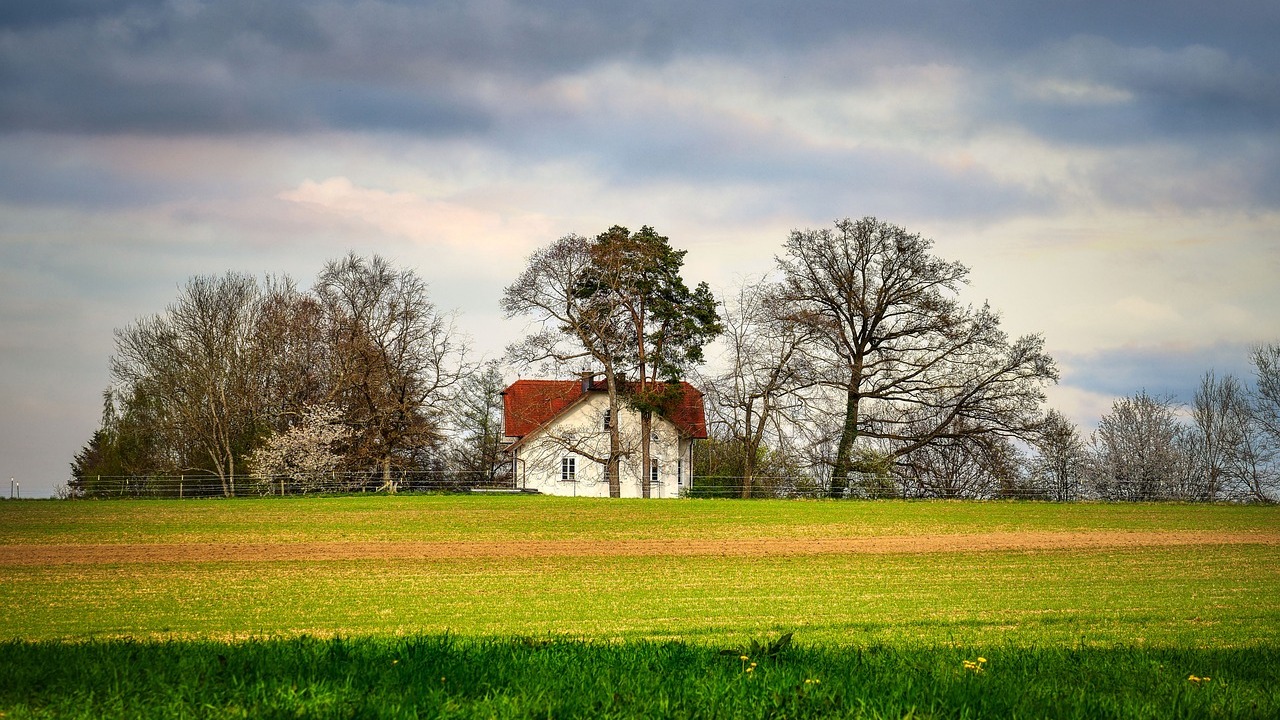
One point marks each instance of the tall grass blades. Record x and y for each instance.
(439, 676)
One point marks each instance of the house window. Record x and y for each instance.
(568, 468)
(680, 471)
(653, 471)
(608, 417)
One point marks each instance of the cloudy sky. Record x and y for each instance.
(1110, 171)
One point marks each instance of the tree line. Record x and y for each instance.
(853, 368)
(240, 380)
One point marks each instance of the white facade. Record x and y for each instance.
(561, 457)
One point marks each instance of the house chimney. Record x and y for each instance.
(586, 380)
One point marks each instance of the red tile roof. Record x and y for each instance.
(530, 404)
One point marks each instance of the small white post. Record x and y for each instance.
(10, 488)
(19, 491)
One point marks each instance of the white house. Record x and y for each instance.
(558, 435)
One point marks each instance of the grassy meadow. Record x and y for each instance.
(1117, 630)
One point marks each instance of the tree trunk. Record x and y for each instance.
(844, 452)
(646, 436)
(752, 448)
(615, 440)
(748, 470)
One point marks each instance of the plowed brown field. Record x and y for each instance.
(269, 552)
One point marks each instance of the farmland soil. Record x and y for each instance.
(46, 554)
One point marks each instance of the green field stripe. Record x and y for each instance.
(506, 518)
(1222, 596)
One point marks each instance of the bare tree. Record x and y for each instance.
(893, 340)
(1266, 393)
(1061, 458)
(298, 369)
(962, 466)
(1222, 422)
(1255, 467)
(758, 394)
(1139, 451)
(395, 358)
(571, 326)
(198, 368)
(475, 420)
(617, 302)
(1256, 463)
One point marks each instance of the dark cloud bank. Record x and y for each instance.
(282, 66)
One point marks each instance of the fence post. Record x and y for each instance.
(181, 480)
(10, 488)
(281, 487)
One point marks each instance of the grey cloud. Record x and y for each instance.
(72, 172)
(1210, 175)
(48, 12)
(85, 187)
(239, 65)
(1205, 116)
(1190, 89)
(660, 142)
(214, 71)
(1172, 371)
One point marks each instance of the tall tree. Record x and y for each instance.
(765, 370)
(1266, 392)
(1258, 461)
(299, 368)
(912, 364)
(475, 419)
(617, 302)
(667, 324)
(1061, 458)
(571, 327)
(197, 365)
(395, 358)
(1220, 412)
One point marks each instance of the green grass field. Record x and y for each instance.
(1109, 630)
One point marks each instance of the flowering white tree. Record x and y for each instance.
(304, 455)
